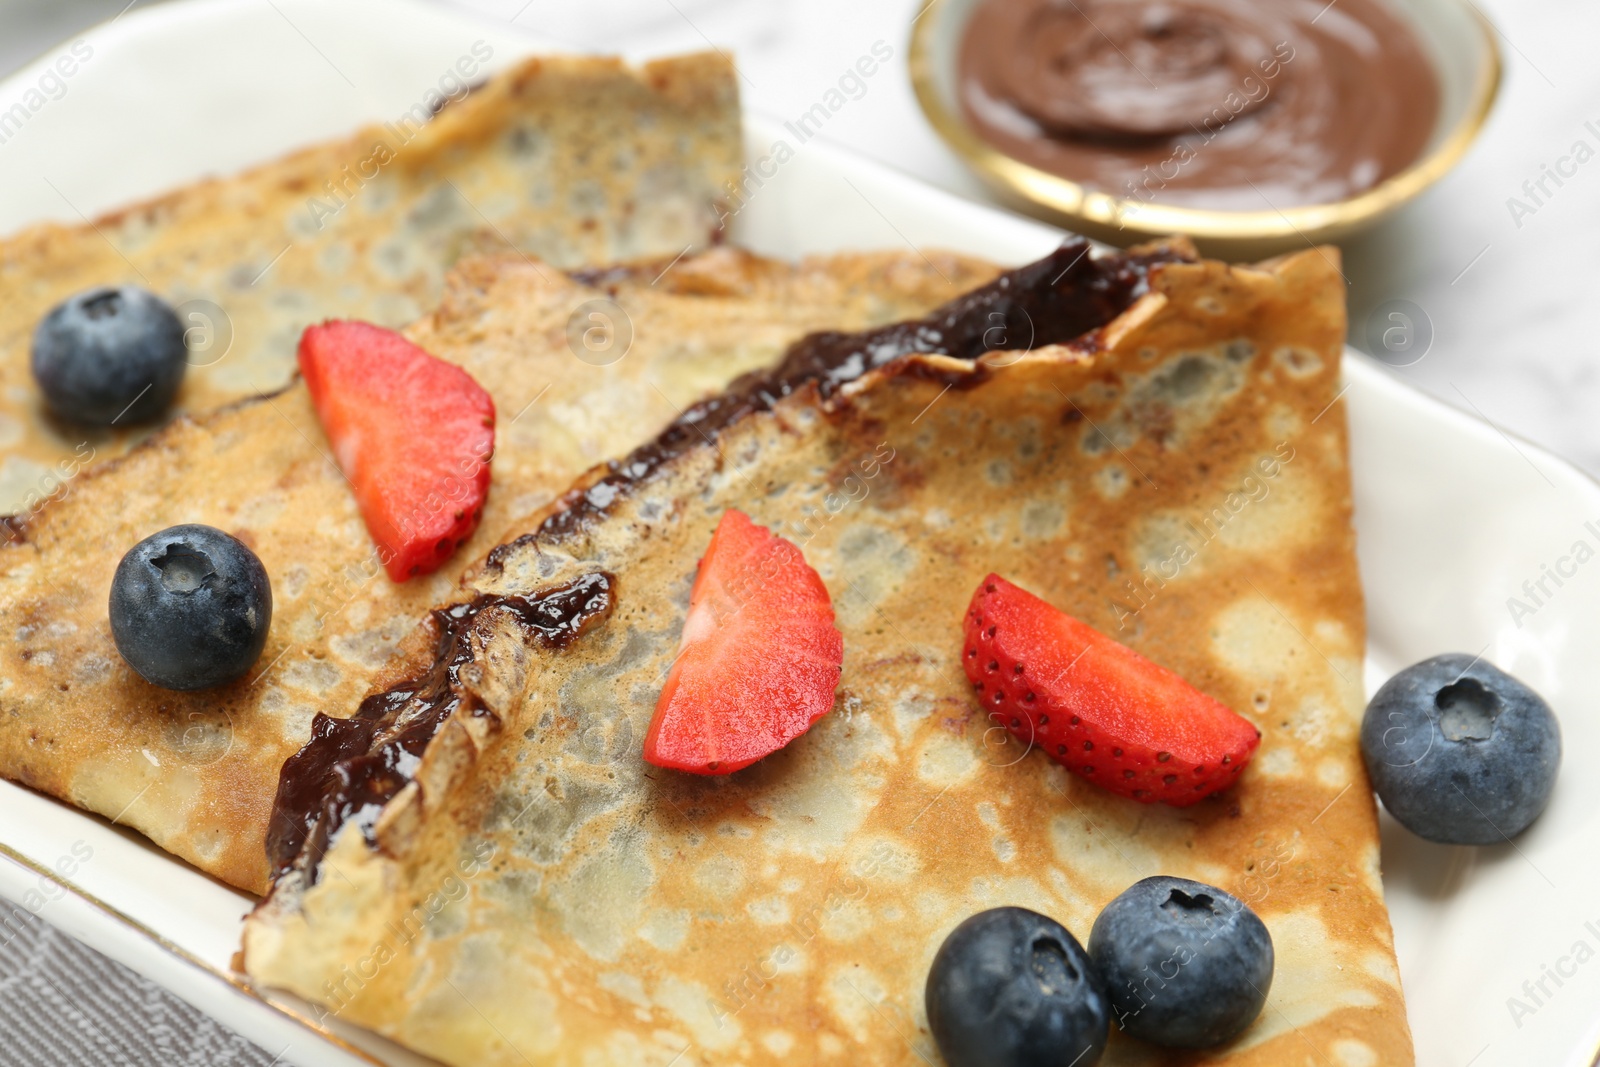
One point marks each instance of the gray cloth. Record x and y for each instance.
(62, 1004)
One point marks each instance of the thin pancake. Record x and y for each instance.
(196, 772)
(538, 894)
(574, 160)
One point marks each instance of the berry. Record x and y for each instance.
(413, 433)
(1184, 964)
(1461, 752)
(109, 355)
(759, 658)
(1013, 988)
(1096, 706)
(190, 607)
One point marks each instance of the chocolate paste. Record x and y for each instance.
(1237, 105)
(350, 768)
(1050, 301)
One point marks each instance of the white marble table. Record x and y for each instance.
(1507, 300)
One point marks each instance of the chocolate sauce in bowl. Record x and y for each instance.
(1237, 105)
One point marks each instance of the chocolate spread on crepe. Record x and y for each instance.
(352, 767)
(197, 772)
(356, 764)
(1241, 105)
(536, 893)
(1051, 301)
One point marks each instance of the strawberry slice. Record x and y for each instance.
(758, 660)
(1095, 706)
(414, 435)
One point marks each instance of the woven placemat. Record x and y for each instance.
(62, 1004)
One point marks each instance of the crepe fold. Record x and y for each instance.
(574, 160)
(530, 891)
(197, 772)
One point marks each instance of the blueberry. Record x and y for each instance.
(1013, 988)
(190, 607)
(1184, 963)
(1461, 752)
(110, 355)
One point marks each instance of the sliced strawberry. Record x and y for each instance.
(414, 435)
(1095, 706)
(759, 658)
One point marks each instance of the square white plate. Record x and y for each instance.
(1453, 516)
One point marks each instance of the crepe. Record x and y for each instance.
(574, 160)
(529, 891)
(197, 772)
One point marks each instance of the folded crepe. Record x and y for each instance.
(573, 160)
(482, 867)
(197, 772)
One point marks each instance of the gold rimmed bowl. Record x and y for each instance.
(1454, 34)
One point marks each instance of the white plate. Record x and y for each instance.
(1453, 516)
